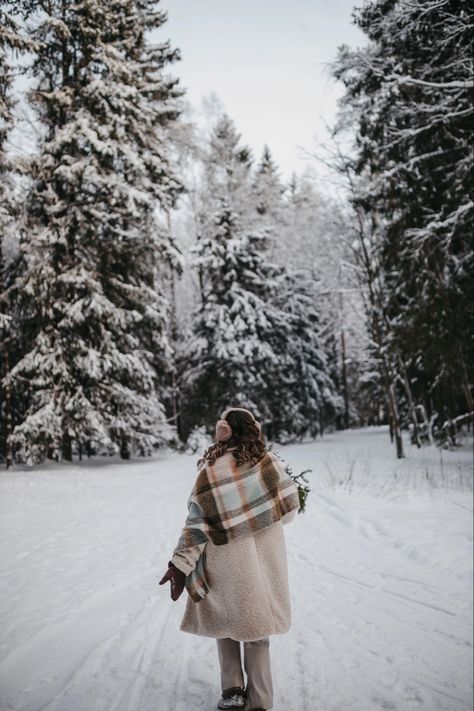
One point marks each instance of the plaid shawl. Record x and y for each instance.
(224, 505)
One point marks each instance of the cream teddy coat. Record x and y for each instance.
(249, 595)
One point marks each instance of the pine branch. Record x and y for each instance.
(302, 483)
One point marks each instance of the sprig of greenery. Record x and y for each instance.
(302, 483)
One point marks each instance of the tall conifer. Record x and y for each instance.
(94, 249)
(409, 94)
(254, 339)
(12, 44)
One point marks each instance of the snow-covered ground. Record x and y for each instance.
(380, 575)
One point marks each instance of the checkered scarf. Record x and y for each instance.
(229, 501)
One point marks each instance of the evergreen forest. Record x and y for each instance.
(154, 271)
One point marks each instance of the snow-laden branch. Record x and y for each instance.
(456, 84)
(438, 224)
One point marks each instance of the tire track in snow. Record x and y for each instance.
(360, 613)
(130, 698)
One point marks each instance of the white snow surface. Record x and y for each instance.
(380, 575)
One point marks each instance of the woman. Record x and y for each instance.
(231, 556)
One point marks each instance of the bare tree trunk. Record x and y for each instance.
(344, 380)
(411, 405)
(124, 448)
(8, 407)
(389, 386)
(175, 401)
(66, 448)
(396, 422)
(466, 386)
(4, 372)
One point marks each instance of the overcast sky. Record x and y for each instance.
(267, 61)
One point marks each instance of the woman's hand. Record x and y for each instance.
(177, 579)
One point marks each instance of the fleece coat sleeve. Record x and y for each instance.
(187, 558)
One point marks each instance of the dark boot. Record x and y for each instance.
(233, 698)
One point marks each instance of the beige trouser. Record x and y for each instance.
(257, 668)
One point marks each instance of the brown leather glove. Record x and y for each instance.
(177, 579)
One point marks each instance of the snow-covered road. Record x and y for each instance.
(380, 575)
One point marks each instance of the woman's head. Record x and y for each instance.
(239, 430)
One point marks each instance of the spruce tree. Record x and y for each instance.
(268, 188)
(409, 93)
(298, 229)
(7, 210)
(254, 337)
(95, 251)
(237, 346)
(12, 44)
(307, 383)
(9, 37)
(227, 169)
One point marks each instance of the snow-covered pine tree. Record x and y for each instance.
(299, 227)
(95, 250)
(312, 243)
(311, 234)
(9, 39)
(409, 92)
(251, 341)
(267, 196)
(268, 187)
(225, 178)
(255, 338)
(6, 217)
(237, 347)
(227, 166)
(12, 43)
(307, 385)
